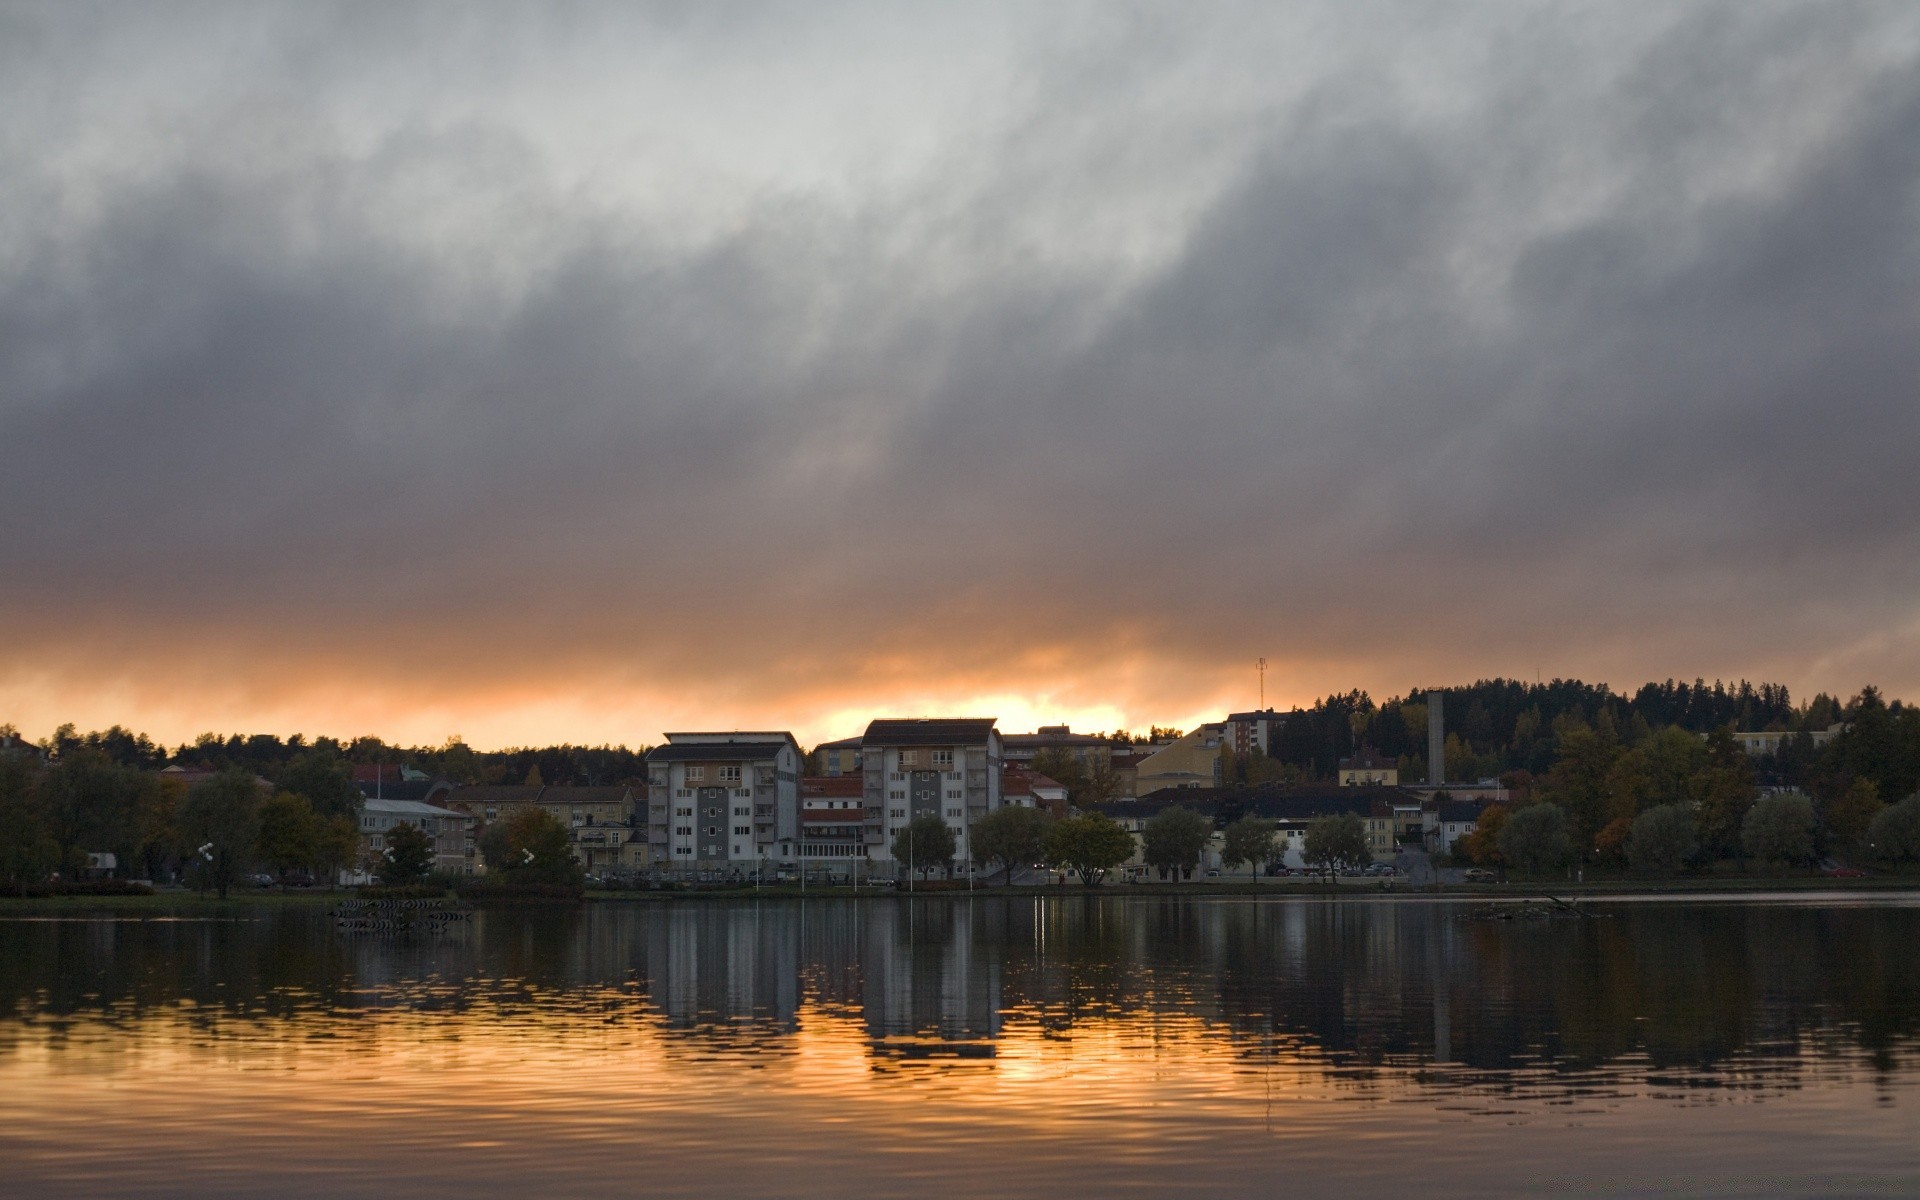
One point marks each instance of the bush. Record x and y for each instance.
(80, 887)
(485, 890)
(418, 891)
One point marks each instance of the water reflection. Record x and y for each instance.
(1164, 1024)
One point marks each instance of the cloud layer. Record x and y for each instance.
(581, 373)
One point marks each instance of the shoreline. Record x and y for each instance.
(1357, 889)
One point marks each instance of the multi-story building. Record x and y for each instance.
(833, 813)
(602, 823)
(451, 831)
(1089, 751)
(949, 768)
(1245, 731)
(1192, 761)
(839, 758)
(724, 801)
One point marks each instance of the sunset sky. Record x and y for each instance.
(576, 372)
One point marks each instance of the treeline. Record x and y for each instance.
(1500, 725)
(268, 755)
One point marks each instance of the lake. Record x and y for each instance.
(1066, 1046)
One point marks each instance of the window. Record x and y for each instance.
(743, 791)
(743, 831)
(683, 812)
(729, 774)
(897, 794)
(684, 830)
(683, 850)
(696, 774)
(953, 814)
(909, 758)
(943, 758)
(742, 810)
(713, 810)
(713, 831)
(954, 793)
(899, 814)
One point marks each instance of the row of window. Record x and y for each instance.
(698, 774)
(939, 758)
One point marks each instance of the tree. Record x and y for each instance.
(1726, 791)
(1011, 836)
(28, 853)
(289, 833)
(1895, 833)
(1090, 843)
(408, 857)
(219, 820)
(530, 845)
(335, 847)
(1248, 840)
(325, 779)
(924, 843)
(1779, 829)
(1172, 840)
(1482, 846)
(1851, 814)
(1664, 838)
(1537, 838)
(1065, 769)
(1337, 841)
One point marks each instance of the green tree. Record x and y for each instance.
(1537, 838)
(289, 833)
(1779, 829)
(1090, 843)
(924, 844)
(530, 845)
(219, 821)
(1664, 838)
(1172, 839)
(1726, 791)
(1065, 769)
(1012, 836)
(1337, 841)
(1895, 833)
(335, 847)
(1248, 840)
(325, 779)
(1851, 814)
(28, 853)
(408, 856)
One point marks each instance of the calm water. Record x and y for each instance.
(1062, 1047)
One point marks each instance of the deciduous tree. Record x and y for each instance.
(1090, 843)
(1663, 839)
(1779, 829)
(1172, 839)
(1248, 840)
(1537, 838)
(408, 856)
(1337, 841)
(219, 820)
(924, 844)
(1013, 836)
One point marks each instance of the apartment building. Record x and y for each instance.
(1089, 751)
(726, 802)
(451, 831)
(603, 825)
(1245, 731)
(945, 767)
(839, 758)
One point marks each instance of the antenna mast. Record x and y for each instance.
(1260, 665)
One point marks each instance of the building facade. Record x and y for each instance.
(451, 831)
(724, 802)
(1369, 768)
(949, 768)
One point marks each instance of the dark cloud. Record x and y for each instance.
(1388, 348)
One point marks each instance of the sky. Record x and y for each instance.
(582, 371)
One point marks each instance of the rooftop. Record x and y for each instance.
(929, 731)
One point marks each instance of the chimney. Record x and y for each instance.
(1436, 741)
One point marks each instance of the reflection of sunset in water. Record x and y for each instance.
(997, 1048)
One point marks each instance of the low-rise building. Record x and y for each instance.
(1768, 741)
(1088, 750)
(1447, 821)
(1023, 788)
(1369, 768)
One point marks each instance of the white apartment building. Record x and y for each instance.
(948, 767)
(724, 801)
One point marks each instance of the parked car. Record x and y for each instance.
(1213, 872)
(1845, 873)
(1481, 875)
(1383, 869)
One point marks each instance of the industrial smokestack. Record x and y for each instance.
(1436, 741)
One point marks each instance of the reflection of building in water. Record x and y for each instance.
(725, 964)
(926, 989)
